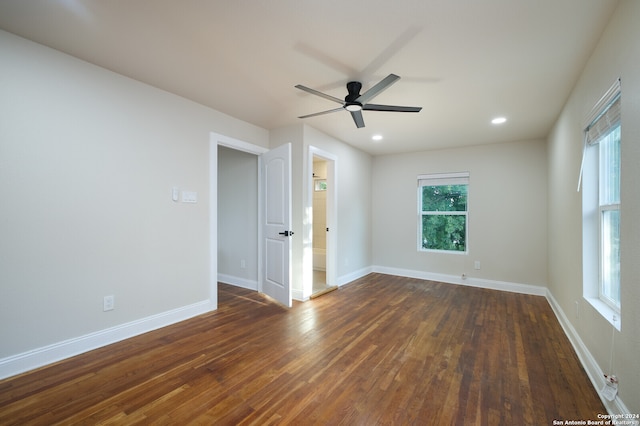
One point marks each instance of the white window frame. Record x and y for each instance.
(601, 209)
(440, 179)
(598, 124)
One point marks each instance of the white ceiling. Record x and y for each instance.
(464, 61)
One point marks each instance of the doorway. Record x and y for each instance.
(238, 218)
(322, 203)
(244, 258)
(319, 239)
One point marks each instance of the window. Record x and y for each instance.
(443, 213)
(601, 205)
(609, 209)
(320, 184)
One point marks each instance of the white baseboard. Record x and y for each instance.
(39, 357)
(298, 295)
(468, 281)
(352, 276)
(595, 373)
(340, 281)
(238, 282)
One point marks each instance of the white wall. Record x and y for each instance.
(617, 55)
(87, 162)
(238, 217)
(354, 197)
(507, 212)
(353, 226)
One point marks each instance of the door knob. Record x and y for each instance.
(286, 233)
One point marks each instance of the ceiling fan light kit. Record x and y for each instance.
(353, 106)
(355, 102)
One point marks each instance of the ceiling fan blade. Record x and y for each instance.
(322, 95)
(322, 113)
(375, 90)
(392, 108)
(357, 118)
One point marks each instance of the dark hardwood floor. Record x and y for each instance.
(381, 350)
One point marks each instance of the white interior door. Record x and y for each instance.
(276, 223)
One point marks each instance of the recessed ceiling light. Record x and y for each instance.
(498, 120)
(376, 137)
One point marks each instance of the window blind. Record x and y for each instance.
(603, 105)
(603, 123)
(604, 115)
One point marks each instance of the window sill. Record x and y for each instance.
(442, 251)
(606, 311)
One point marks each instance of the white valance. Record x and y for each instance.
(437, 179)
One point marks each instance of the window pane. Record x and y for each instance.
(611, 256)
(610, 168)
(444, 232)
(444, 198)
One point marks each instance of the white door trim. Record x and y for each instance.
(215, 140)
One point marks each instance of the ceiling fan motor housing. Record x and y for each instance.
(354, 91)
(351, 103)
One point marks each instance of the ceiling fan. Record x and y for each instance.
(355, 102)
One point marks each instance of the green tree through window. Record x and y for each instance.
(444, 217)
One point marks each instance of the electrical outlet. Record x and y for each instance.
(577, 310)
(243, 263)
(476, 265)
(109, 303)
